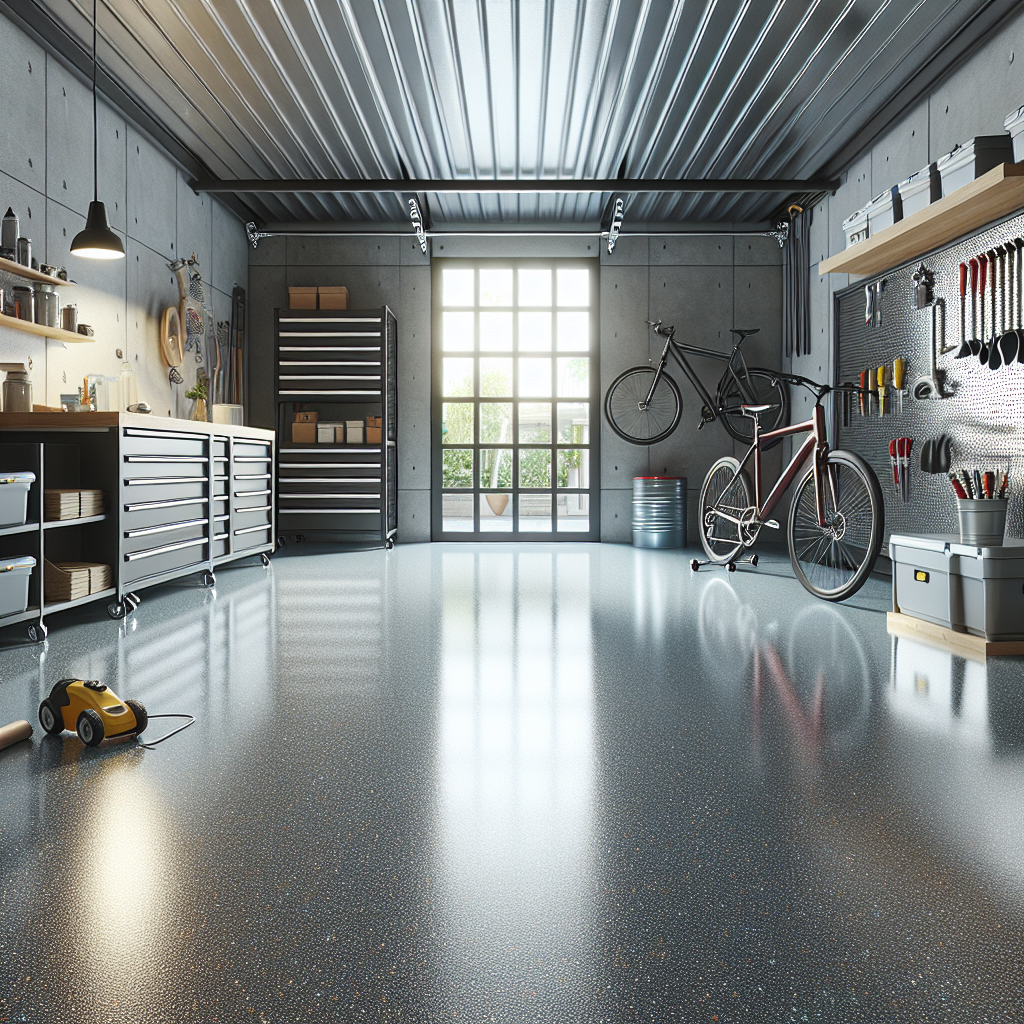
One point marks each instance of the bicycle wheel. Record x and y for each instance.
(624, 406)
(726, 491)
(833, 561)
(765, 389)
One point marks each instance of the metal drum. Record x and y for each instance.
(659, 511)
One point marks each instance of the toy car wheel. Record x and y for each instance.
(90, 728)
(141, 717)
(51, 721)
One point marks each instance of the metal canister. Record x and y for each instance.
(47, 304)
(659, 512)
(69, 318)
(9, 231)
(17, 392)
(25, 251)
(24, 302)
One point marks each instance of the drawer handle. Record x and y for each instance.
(163, 481)
(166, 458)
(332, 494)
(328, 511)
(252, 529)
(261, 508)
(166, 549)
(220, 536)
(146, 531)
(322, 362)
(250, 494)
(330, 480)
(252, 476)
(171, 503)
(363, 377)
(310, 391)
(251, 458)
(157, 434)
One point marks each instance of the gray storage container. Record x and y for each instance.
(14, 497)
(920, 190)
(971, 589)
(1014, 124)
(880, 213)
(855, 227)
(659, 512)
(14, 576)
(973, 159)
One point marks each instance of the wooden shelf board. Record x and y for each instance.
(56, 333)
(996, 194)
(29, 274)
(966, 645)
(10, 531)
(49, 609)
(54, 524)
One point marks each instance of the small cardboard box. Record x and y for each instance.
(334, 297)
(373, 421)
(354, 431)
(373, 435)
(302, 297)
(306, 417)
(303, 433)
(325, 433)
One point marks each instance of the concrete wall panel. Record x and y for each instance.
(194, 219)
(69, 167)
(413, 312)
(23, 139)
(617, 516)
(691, 251)
(413, 514)
(152, 196)
(853, 194)
(230, 265)
(330, 250)
(752, 250)
(113, 154)
(268, 291)
(901, 152)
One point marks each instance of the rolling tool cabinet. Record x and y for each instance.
(340, 365)
(182, 497)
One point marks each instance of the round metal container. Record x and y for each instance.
(659, 512)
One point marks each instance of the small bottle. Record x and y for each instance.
(10, 231)
(128, 389)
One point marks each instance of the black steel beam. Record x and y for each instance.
(518, 186)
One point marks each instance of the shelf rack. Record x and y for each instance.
(19, 270)
(26, 326)
(996, 194)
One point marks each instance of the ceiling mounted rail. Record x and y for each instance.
(515, 186)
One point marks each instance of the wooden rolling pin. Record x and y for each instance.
(14, 733)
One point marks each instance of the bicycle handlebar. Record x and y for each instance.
(818, 390)
(665, 332)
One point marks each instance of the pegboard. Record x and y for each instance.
(984, 414)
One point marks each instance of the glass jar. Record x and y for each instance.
(24, 302)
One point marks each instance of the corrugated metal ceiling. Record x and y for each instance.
(517, 88)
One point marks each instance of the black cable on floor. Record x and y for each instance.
(181, 728)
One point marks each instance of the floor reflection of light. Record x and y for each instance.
(515, 761)
(122, 889)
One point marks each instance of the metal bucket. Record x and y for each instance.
(659, 512)
(982, 520)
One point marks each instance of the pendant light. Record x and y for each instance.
(96, 241)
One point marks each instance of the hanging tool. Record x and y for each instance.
(872, 387)
(1010, 342)
(863, 390)
(922, 287)
(965, 346)
(883, 377)
(869, 305)
(879, 295)
(904, 447)
(931, 386)
(899, 369)
(894, 461)
(1004, 485)
(965, 479)
(958, 488)
(995, 358)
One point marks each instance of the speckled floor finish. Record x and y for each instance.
(515, 784)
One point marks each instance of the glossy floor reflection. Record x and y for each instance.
(524, 783)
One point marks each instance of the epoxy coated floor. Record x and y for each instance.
(519, 784)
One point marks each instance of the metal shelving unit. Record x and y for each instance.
(341, 364)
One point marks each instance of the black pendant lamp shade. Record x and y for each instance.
(96, 241)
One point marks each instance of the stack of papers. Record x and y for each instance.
(68, 581)
(72, 504)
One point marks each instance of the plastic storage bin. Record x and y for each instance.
(969, 588)
(880, 213)
(14, 576)
(921, 189)
(855, 227)
(14, 497)
(1014, 124)
(973, 159)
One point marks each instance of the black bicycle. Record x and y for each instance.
(643, 404)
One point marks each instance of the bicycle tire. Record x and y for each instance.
(768, 390)
(720, 538)
(833, 562)
(642, 426)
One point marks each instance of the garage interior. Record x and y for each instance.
(507, 761)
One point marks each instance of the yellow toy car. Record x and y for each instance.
(91, 709)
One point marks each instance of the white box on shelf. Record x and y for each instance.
(1014, 124)
(921, 189)
(973, 159)
(855, 227)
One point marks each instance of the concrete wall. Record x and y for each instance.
(46, 176)
(972, 101)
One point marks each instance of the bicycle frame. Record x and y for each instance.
(815, 445)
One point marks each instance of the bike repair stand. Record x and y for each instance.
(696, 564)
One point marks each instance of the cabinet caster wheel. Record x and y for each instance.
(389, 544)
(209, 580)
(732, 567)
(265, 559)
(754, 561)
(694, 565)
(281, 542)
(117, 610)
(37, 632)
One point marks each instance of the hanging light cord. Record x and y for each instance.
(95, 137)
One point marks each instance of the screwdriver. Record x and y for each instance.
(863, 388)
(899, 369)
(883, 377)
(958, 488)
(872, 388)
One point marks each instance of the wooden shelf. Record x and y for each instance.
(966, 645)
(29, 274)
(996, 194)
(53, 524)
(57, 333)
(61, 606)
(10, 531)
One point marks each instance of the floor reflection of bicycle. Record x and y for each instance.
(822, 683)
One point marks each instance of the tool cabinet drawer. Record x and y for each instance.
(247, 499)
(145, 442)
(164, 558)
(221, 546)
(328, 458)
(333, 520)
(137, 515)
(164, 489)
(220, 447)
(146, 467)
(255, 535)
(140, 538)
(246, 448)
(220, 485)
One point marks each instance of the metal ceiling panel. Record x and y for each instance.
(426, 89)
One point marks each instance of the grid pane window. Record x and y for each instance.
(515, 371)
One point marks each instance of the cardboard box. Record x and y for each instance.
(339, 433)
(373, 435)
(325, 433)
(354, 431)
(333, 297)
(302, 297)
(303, 433)
(306, 417)
(373, 421)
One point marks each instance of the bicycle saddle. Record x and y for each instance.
(756, 410)
(744, 332)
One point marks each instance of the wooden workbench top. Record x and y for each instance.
(23, 421)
